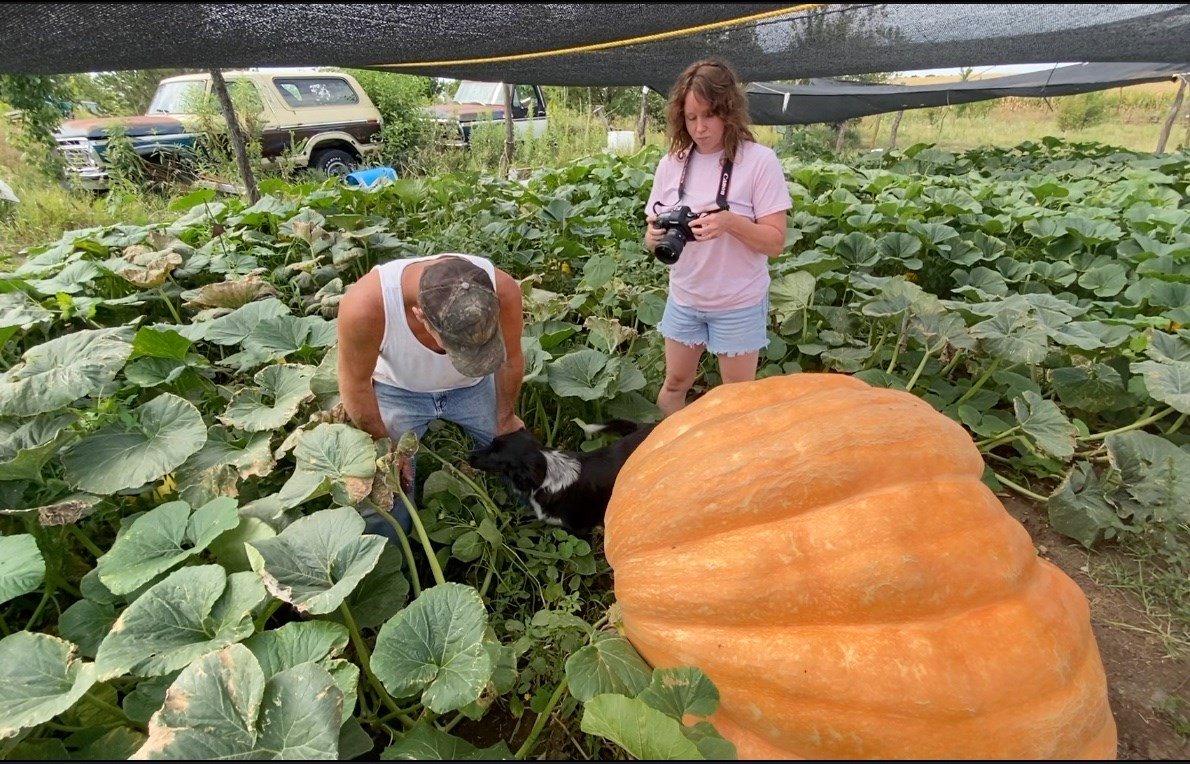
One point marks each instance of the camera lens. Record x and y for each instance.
(670, 248)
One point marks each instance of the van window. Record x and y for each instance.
(300, 92)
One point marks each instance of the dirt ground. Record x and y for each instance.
(1141, 674)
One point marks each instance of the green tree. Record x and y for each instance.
(401, 100)
(42, 102)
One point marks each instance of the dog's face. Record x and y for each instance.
(515, 455)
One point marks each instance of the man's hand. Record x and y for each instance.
(508, 424)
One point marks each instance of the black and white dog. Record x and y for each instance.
(567, 488)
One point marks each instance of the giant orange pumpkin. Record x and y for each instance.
(825, 552)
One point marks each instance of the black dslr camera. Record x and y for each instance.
(676, 223)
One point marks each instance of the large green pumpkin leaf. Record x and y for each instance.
(1156, 476)
(118, 744)
(26, 445)
(425, 742)
(19, 310)
(191, 612)
(22, 568)
(435, 647)
(318, 560)
(281, 389)
(86, 623)
(72, 279)
(57, 373)
(233, 328)
(1105, 280)
(1089, 335)
(710, 743)
(250, 455)
(1013, 336)
(1168, 348)
(160, 539)
(610, 664)
(278, 337)
(223, 707)
(1043, 421)
(641, 730)
(301, 642)
(334, 458)
(230, 548)
(167, 430)
(681, 691)
(381, 594)
(1167, 382)
(1094, 388)
(296, 643)
(1080, 507)
(41, 676)
(148, 697)
(582, 374)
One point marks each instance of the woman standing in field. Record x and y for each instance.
(718, 285)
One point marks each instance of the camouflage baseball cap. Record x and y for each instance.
(460, 304)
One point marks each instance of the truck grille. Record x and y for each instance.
(77, 153)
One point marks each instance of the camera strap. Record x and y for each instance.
(724, 180)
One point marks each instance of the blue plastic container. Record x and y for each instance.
(369, 177)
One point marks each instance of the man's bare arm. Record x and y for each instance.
(512, 373)
(360, 332)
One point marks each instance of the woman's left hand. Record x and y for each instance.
(712, 225)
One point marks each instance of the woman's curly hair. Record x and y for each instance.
(716, 83)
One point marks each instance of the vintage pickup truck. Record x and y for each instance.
(320, 120)
(476, 102)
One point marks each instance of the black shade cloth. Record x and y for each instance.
(815, 40)
(832, 100)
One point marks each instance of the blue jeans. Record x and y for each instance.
(472, 408)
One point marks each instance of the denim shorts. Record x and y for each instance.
(722, 332)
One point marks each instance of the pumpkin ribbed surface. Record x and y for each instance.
(825, 551)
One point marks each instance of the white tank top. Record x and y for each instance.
(404, 361)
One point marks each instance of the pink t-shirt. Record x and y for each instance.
(722, 273)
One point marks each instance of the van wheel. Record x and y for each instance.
(333, 162)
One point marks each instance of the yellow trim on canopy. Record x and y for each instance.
(613, 43)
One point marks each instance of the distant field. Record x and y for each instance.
(1132, 118)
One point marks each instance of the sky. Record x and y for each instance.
(984, 70)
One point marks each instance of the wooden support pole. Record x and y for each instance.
(641, 121)
(509, 140)
(892, 138)
(840, 136)
(1173, 113)
(235, 134)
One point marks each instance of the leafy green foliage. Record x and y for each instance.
(1036, 295)
(401, 100)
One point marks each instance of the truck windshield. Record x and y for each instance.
(479, 92)
(177, 98)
